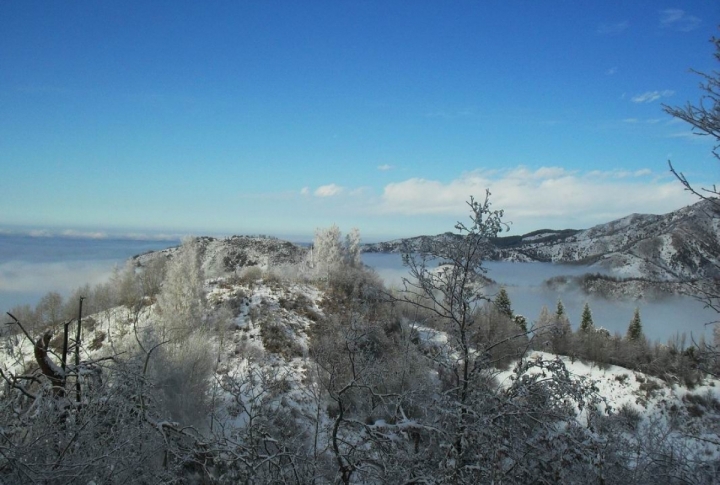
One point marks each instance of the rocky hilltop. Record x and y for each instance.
(226, 255)
(680, 245)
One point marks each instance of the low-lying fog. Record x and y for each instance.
(523, 281)
(30, 267)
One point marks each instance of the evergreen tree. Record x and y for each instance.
(521, 322)
(502, 303)
(560, 311)
(586, 322)
(635, 331)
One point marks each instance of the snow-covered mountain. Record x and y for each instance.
(680, 245)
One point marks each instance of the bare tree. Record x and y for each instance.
(705, 120)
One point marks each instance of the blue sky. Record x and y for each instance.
(279, 117)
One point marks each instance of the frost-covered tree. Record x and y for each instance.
(352, 248)
(503, 304)
(635, 331)
(181, 302)
(327, 248)
(586, 320)
(329, 253)
(125, 286)
(152, 275)
(452, 293)
(49, 309)
(183, 362)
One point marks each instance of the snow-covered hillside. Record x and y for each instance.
(684, 244)
(300, 376)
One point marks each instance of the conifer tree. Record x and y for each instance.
(521, 322)
(635, 331)
(502, 303)
(560, 311)
(586, 322)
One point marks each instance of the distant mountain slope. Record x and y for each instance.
(684, 244)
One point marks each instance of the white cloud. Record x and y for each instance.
(677, 19)
(613, 28)
(385, 167)
(83, 234)
(650, 96)
(329, 190)
(630, 120)
(305, 191)
(546, 197)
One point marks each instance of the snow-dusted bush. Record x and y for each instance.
(113, 435)
(182, 371)
(249, 275)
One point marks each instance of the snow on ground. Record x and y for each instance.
(688, 415)
(290, 310)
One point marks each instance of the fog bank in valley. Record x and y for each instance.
(661, 319)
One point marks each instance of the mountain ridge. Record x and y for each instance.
(677, 246)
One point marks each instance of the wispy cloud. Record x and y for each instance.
(78, 234)
(385, 167)
(677, 19)
(305, 191)
(650, 96)
(546, 197)
(611, 71)
(613, 28)
(649, 121)
(329, 190)
(693, 136)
